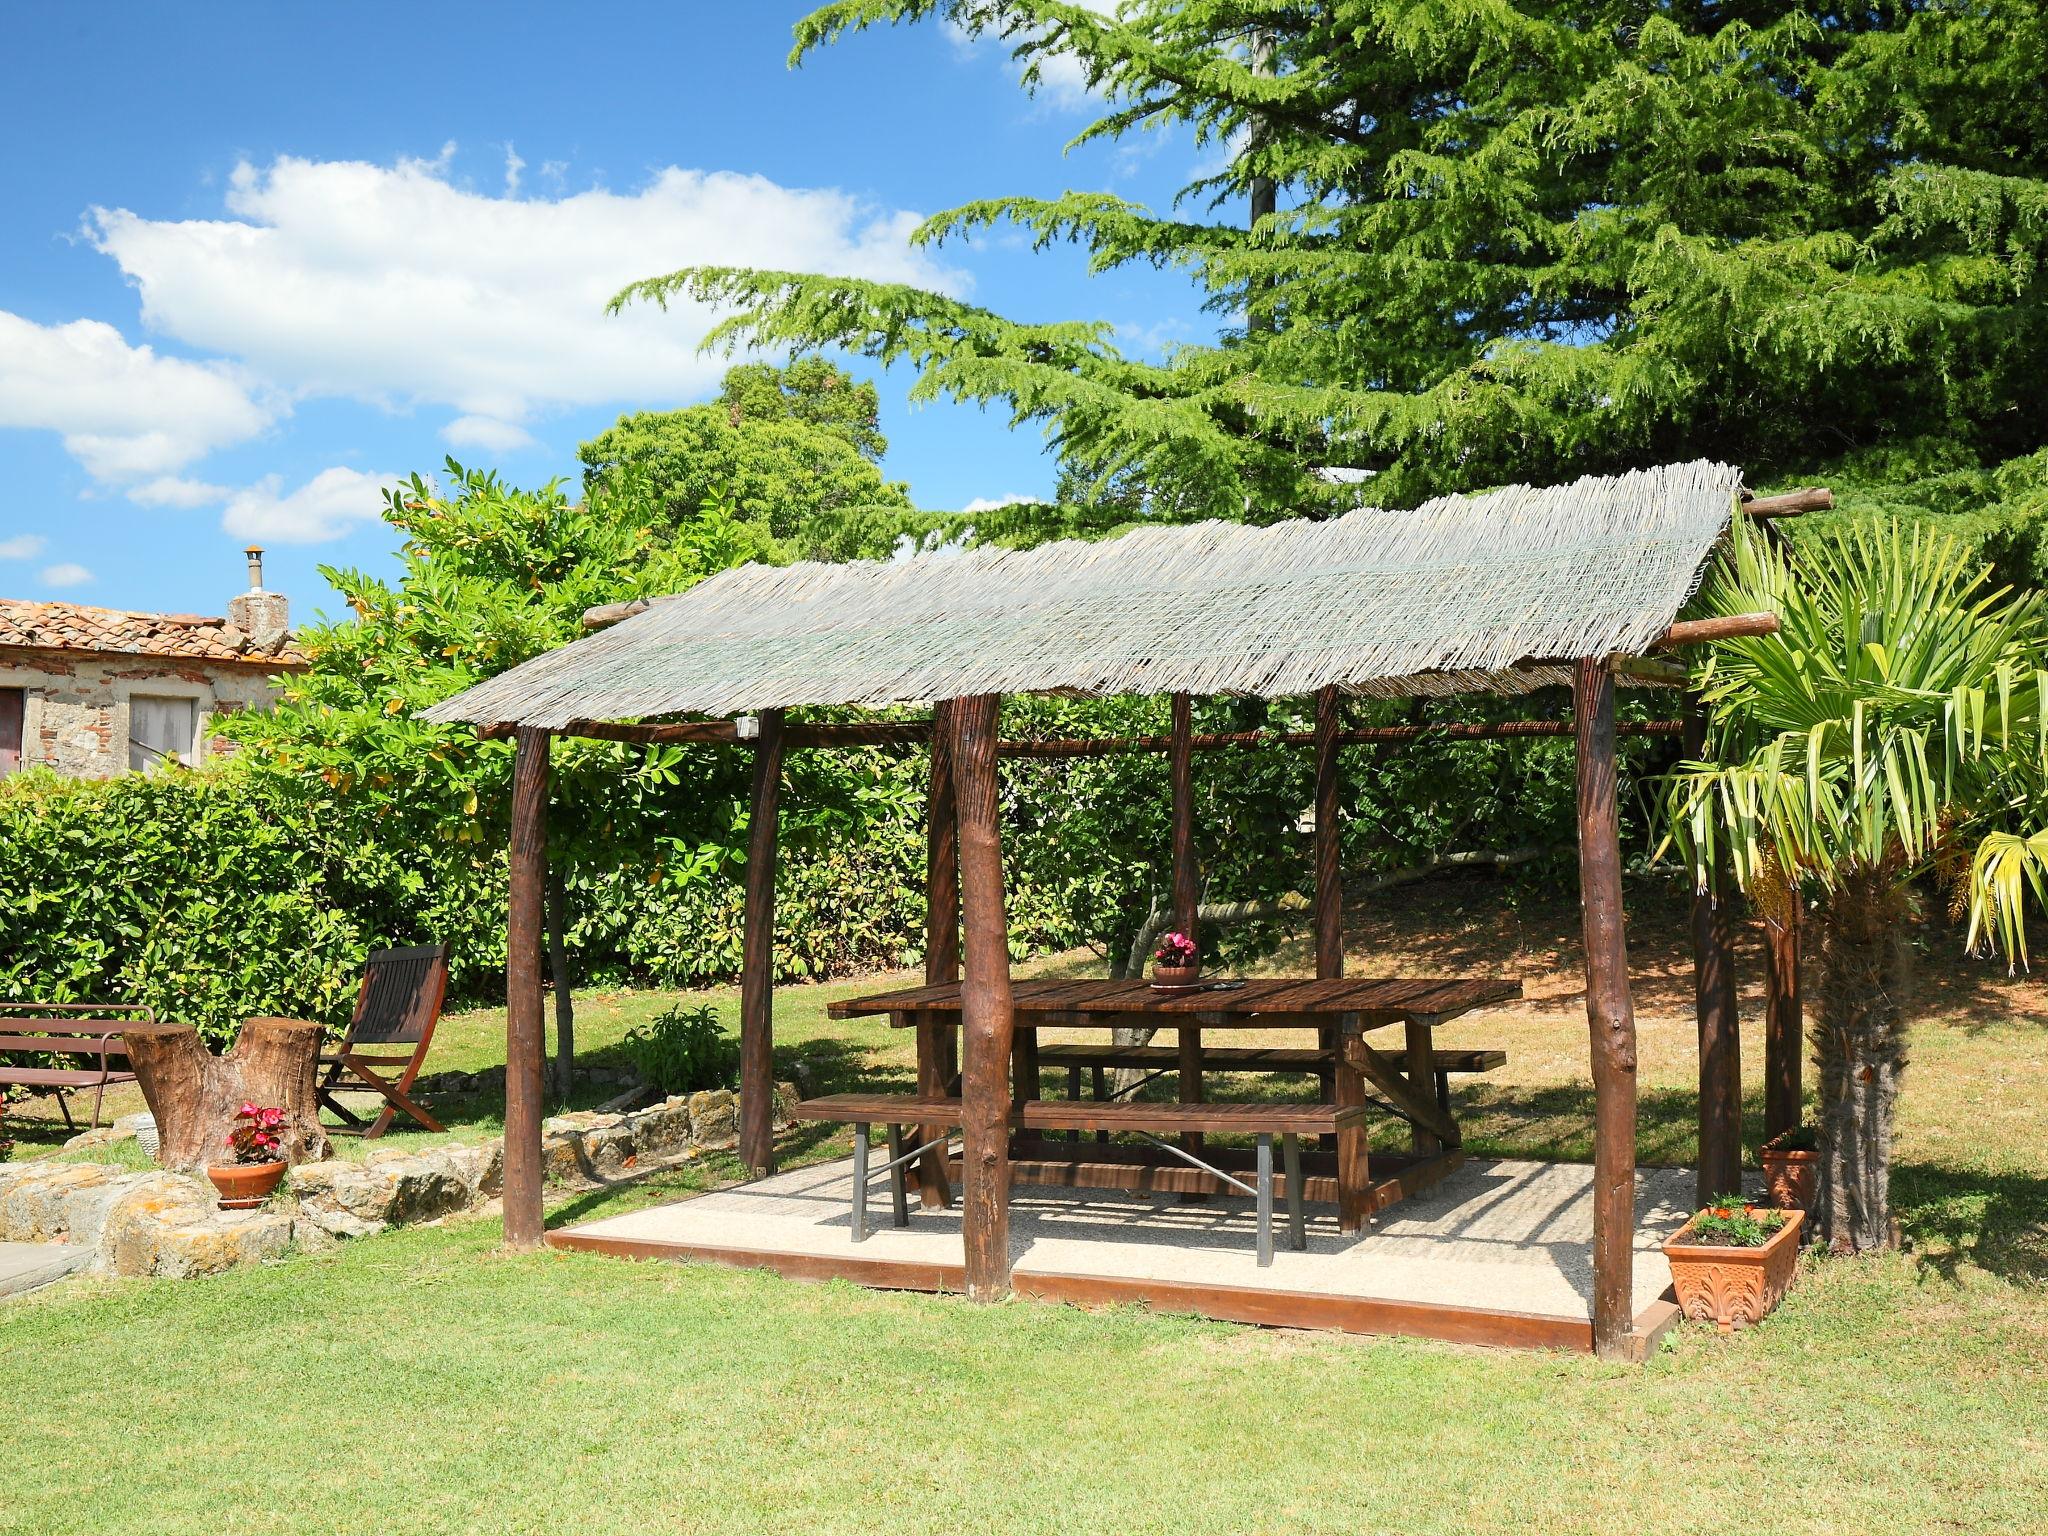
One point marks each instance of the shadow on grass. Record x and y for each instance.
(1997, 1222)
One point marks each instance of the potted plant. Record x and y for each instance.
(256, 1141)
(1175, 962)
(1732, 1263)
(1792, 1168)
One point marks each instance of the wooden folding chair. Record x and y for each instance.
(399, 1004)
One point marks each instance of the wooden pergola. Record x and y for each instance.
(697, 653)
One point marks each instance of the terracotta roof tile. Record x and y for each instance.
(112, 631)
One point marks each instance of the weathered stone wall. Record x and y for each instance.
(75, 710)
(155, 1223)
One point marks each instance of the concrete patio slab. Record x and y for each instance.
(30, 1266)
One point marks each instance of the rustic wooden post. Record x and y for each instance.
(1610, 1013)
(987, 1020)
(556, 909)
(1344, 1083)
(1714, 1005)
(757, 956)
(1329, 896)
(1784, 1021)
(1187, 888)
(936, 1066)
(525, 1042)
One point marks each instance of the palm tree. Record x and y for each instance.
(1893, 722)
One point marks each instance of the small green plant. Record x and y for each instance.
(682, 1050)
(1736, 1226)
(1801, 1138)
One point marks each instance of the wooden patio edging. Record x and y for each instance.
(1220, 1303)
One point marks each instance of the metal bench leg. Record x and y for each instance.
(1297, 1197)
(1266, 1199)
(860, 1183)
(898, 1193)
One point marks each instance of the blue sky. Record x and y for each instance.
(260, 258)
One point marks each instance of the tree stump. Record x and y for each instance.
(194, 1094)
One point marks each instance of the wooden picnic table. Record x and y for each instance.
(1259, 1003)
(1340, 1010)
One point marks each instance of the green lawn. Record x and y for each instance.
(424, 1381)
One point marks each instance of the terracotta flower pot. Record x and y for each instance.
(1790, 1177)
(244, 1186)
(1733, 1287)
(1175, 975)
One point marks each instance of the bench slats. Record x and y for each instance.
(1207, 1117)
(879, 1109)
(62, 1077)
(57, 1045)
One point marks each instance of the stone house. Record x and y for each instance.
(98, 691)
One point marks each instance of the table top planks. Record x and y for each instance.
(1279, 1002)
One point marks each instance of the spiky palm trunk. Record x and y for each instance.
(1859, 1046)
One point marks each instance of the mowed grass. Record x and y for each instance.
(426, 1381)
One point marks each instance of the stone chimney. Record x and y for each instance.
(263, 616)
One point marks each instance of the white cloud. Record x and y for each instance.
(25, 546)
(1061, 80)
(487, 433)
(66, 575)
(171, 491)
(124, 412)
(392, 284)
(325, 507)
(990, 503)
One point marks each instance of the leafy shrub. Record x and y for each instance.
(683, 1050)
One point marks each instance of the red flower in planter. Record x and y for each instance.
(255, 1138)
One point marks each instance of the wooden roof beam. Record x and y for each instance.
(1734, 626)
(607, 614)
(1812, 498)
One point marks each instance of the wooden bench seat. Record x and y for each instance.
(1290, 1122)
(66, 1030)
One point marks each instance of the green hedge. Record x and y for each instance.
(218, 895)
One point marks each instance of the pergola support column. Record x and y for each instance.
(757, 956)
(1187, 894)
(1716, 1009)
(987, 1021)
(1784, 1022)
(1610, 1012)
(1346, 1084)
(524, 1035)
(936, 1066)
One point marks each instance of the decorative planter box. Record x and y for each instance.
(1791, 1178)
(1733, 1287)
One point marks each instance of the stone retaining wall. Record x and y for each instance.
(157, 1223)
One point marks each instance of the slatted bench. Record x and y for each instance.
(1165, 1058)
(1155, 1122)
(81, 1030)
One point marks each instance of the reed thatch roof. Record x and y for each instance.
(1460, 594)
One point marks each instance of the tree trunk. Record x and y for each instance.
(194, 1094)
(558, 973)
(1859, 1048)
